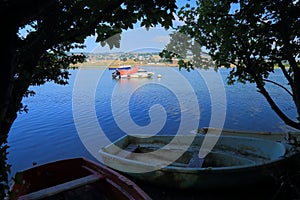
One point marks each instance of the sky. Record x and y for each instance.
(131, 40)
(137, 39)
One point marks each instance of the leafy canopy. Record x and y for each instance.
(54, 28)
(251, 38)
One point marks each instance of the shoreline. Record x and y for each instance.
(107, 63)
(92, 65)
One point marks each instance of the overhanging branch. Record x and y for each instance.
(275, 83)
(285, 73)
(273, 105)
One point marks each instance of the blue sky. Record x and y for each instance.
(136, 39)
(132, 40)
(139, 38)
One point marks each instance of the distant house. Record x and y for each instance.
(156, 58)
(175, 61)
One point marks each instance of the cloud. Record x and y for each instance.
(161, 39)
(134, 39)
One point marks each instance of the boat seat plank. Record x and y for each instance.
(128, 150)
(61, 187)
(132, 147)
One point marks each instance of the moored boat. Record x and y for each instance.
(135, 72)
(234, 161)
(75, 178)
(141, 73)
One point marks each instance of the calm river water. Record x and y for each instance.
(158, 105)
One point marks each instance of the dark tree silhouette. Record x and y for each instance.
(250, 37)
(54, 28)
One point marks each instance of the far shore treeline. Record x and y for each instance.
(133, 59)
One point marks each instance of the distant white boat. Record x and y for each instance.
(141, 73)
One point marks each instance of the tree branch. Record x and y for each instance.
(275, 83)
(273, 105)
(285, 73)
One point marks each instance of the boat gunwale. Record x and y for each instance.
(267, 135)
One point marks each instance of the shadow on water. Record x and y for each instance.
(286, 187)
(259, 191)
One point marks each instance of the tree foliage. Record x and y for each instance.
(54, 28)
(251, 38)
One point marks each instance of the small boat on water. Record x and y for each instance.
(75, 178)
(120, 67)
(135, 72)
(233, 161)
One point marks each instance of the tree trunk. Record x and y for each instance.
(272, 103)
(296, 85)
(7, 68)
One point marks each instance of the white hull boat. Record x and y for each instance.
(141, 73)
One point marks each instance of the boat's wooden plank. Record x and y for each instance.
(128, 150)
(88, 192)
(61, 187)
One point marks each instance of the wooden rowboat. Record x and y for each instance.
(75, 178)
(234, 160)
